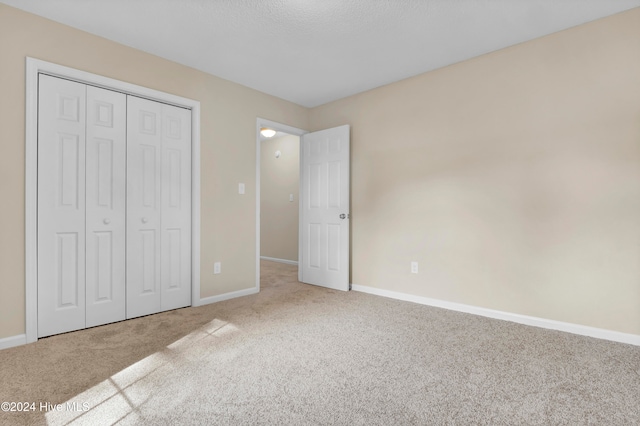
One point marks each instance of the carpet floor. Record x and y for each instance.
(297, 354)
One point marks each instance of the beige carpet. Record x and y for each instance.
(298, 354)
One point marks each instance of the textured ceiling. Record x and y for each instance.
(314, 51)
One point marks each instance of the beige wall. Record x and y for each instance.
(228, 113)
(279, 177)
(512, 178)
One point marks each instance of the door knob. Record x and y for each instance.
(106, 221)
(145, 220)
(343, 216)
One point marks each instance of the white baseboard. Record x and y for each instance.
(227, 296)
(274, 259)
(10, 342)
(582, 330)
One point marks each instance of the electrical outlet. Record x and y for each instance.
(414, 267)
(217, 268)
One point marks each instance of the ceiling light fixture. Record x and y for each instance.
(267, 133)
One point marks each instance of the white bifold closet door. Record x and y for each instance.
(81, 206)
(105, 200)
(158, 207)
(114, 206)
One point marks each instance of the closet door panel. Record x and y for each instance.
(105, 200)
(176, 207)
(144, 166)
(61, 206)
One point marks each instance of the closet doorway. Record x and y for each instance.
(112, 200)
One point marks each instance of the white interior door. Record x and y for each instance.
(324, 228)
(105, 206)
(61, 206)
(144, 154)
(176, 208)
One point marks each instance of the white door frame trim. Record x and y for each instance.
(33, 68)
(260, 123)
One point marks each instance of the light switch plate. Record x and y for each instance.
(241, 188)
(291, 197)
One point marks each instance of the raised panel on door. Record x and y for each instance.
(61, 206)
(325, 208)
(143, 212)
(105, 206)
(176, 208)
